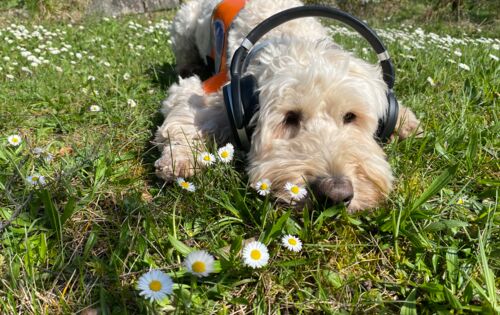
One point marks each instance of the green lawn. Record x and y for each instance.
(103, 218)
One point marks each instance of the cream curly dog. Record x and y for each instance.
(319, 108)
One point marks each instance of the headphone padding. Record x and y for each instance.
(387, 126)
(249, 97)
(226, 91)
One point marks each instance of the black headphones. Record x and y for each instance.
(241, 95)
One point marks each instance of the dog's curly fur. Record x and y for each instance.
(319, 108)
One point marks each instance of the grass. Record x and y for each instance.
(103, 219)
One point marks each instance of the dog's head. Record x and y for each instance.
(319, 111)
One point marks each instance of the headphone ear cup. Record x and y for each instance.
(388, 124)
(226, 92)
(249, 97)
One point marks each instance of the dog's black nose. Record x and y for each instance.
(333, 190)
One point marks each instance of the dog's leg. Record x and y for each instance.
(407, 123)
(191, 117)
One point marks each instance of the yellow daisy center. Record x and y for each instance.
(155, 285)
(295, 189)
(263, 186)
(460, 201)
(224, 154)
(34, 178)
(206, 158)
(199, 267)
(185, 185)
(292, 241)
(255, 254)
(15, 140)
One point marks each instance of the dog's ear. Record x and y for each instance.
(407, 123)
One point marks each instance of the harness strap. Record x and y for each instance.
(222, 18)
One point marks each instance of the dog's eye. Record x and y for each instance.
(349, 118)
(292, 119)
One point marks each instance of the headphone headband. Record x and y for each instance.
(238, 61)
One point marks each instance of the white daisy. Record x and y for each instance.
(263, 187)
(199, 263)
(155, 285)
(95, 108)
(14, 140)
(126, 76)
(206, 158)
(131, 103)
(292, 243)
(185, 185)
(36, 180)
(431, 81)
(464, 66)
(297, 192)
(255, 255)
(226, 153)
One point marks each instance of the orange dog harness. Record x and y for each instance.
(222, 18)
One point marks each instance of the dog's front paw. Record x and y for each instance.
(408, 124)
(175, 161)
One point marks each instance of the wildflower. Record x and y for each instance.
(431, 81)
(226, 153)
(126, 76)
(155, 285)
(199, 263)
(14, 140)
(79, 55)
(464, 66)
(458, 53)
(131, 103)
(297, 192)
(255, 255)
(493, 57)
(206, 158)
(292, 243)
(263, 187)
(36, 180)
(6, 58)
(461, 200)
(9, 76)
(90, 78)
(95, 108)
(185, 185)
(48, 158)
(38, 151)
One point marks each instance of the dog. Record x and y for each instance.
(319, 108)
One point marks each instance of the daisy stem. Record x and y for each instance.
(193, 287)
